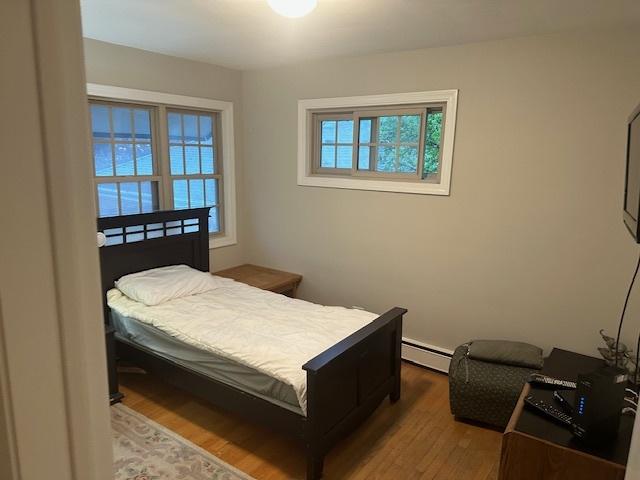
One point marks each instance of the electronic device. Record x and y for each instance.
(549, 410)
(550, 381)
(598, 404)
(565, 399)
(632, 179)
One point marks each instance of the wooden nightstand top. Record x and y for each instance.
(265, 278)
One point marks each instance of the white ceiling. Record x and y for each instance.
(247, 34)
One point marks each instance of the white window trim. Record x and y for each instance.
(228, 143)
(307, 106)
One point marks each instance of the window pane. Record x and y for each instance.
(102, 161)
(180, 194)
(149, 196)
(387, 129)
(192, 160)
(211, 191)
(129, 200)
(408, 159)
(144, 159)
(345, 157)
(206, 157)
(328, 157)
(100, 121)
(175, 127)
(176, 161)
(190, 128)
(124, 159)
(206, 130)
(214, 220)
(363, 158)
(196, 193)
(365, 130)
(345, 131)
(410, 128)
(432, 144)
(122, 123)
(107, 199)
(142, 124)
(386, 159)
(329, 131)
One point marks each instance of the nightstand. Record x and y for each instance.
(109, 335)
(265, 278)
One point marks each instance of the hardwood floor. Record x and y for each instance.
(417, 438)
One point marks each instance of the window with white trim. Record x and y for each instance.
(138, 168)
(400, 142)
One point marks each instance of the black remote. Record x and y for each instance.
(564, 404)
(549, 410)
(552, 382)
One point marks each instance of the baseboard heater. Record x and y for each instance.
(426, 355)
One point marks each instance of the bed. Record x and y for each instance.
(344, 383)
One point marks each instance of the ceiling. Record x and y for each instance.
(247, 34)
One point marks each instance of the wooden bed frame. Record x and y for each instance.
(345, 383)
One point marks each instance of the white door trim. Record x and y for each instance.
(52, 321)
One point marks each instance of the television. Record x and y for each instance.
(632, 178)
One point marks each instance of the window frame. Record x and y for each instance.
(161, 104)
(311, 112)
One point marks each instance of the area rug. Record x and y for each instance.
(144, 450)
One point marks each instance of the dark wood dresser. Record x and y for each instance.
(536, 448)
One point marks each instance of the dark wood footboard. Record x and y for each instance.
(348, 381)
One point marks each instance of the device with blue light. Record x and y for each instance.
(599, 399)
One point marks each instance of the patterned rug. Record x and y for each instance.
(144, 450)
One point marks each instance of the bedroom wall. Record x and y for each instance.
(530, 244)
(111, 64)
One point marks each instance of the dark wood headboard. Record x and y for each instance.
(150, 240)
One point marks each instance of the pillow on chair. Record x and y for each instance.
(505, 352)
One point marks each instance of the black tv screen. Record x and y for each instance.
(632, 182)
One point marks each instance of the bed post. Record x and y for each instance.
(315, 456)
(394, 396)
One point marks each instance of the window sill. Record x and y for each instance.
(375, 185)
(224, 241)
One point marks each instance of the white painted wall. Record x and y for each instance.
(529, 245)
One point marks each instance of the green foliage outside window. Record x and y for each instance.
(432, 144)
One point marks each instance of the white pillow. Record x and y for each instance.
(160, 285)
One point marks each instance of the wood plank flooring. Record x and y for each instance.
(417, 438)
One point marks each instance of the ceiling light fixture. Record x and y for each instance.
(293, 8)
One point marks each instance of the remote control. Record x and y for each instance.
(549, 410)
(552, 382)
(564, 404)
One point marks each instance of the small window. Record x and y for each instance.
(399, 144)
(384, 142)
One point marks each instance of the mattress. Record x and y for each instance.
(261, 330)
(214, 366)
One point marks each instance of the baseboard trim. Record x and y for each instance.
(426, 355)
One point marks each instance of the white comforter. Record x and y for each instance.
(271, 333)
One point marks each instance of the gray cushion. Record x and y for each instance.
(505, 352)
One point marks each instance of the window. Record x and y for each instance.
(195, 174)
(398, 142)
(154, 151)
(125, 169)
